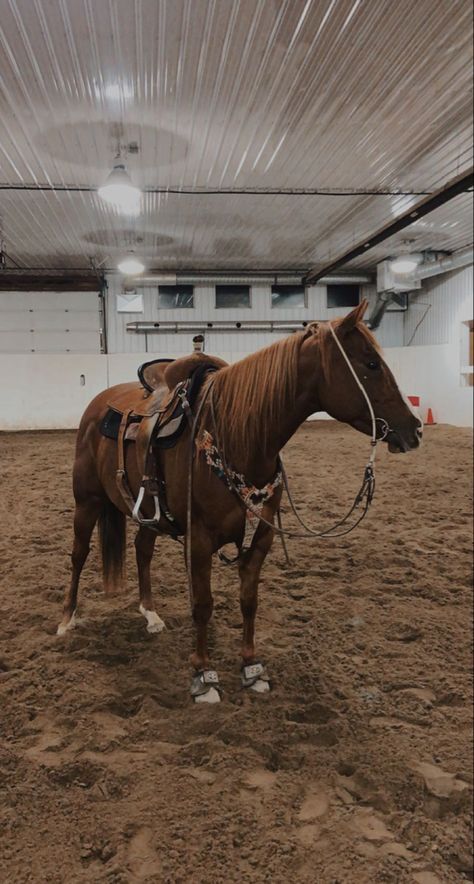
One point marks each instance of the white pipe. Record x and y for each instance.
(152, 279)
(217, 326)
(450, 262)
(238, 279)
(354, 279)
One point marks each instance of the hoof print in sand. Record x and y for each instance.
(371, 828)
(446, 793)
(260, 779)
(315, 804)
(143, 861)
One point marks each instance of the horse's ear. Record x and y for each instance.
(350, 321)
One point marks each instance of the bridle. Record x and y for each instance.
(385, 427)
(363, 497)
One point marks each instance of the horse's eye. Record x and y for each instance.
(373, 365)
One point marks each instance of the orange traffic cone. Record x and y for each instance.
(429, 418)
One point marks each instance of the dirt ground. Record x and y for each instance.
(355, 769)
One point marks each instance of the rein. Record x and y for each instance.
(187, 545)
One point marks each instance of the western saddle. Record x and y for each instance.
(171, 387)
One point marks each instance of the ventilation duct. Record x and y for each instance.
(277, 278)
(379, 309)
(443, 265)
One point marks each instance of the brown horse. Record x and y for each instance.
(258, 404)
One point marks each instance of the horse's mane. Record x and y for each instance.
(252, 395)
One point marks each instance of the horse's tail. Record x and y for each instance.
(112, 537)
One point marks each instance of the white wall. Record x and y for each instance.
(432, 373)
(44, 391)
(436, 346)
(439, 308)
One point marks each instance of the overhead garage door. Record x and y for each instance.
(50, 322)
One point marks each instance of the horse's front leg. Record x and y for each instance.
(205, 682)
(254, 675)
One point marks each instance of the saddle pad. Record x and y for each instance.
(110, 423)
(165, 437)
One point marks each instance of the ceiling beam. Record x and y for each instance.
(453, 188)
(32, 282)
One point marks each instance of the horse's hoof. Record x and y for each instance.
(205, 686)
(155, 627)
(66, 625)
(154, 623)
(255, 678)
(211, 696)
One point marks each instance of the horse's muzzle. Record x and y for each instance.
(402, 441)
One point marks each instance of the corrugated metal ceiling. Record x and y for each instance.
(355, 94)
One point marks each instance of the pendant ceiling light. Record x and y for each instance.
(407, 261)
(131, 265)
(120, 192)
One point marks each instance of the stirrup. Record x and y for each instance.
(205, 686)
(136, 514)
(255, 677)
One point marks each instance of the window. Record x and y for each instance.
(287, 296)
(342, 295)
(232, 296)
(173, 297)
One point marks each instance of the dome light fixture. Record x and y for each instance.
(407, 262)
(119, 191)
(131, 265)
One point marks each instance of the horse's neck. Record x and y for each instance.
(261, 419)
(260, 465)
(305, 404)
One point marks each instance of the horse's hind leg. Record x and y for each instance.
(144, 546)
(85, 518)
